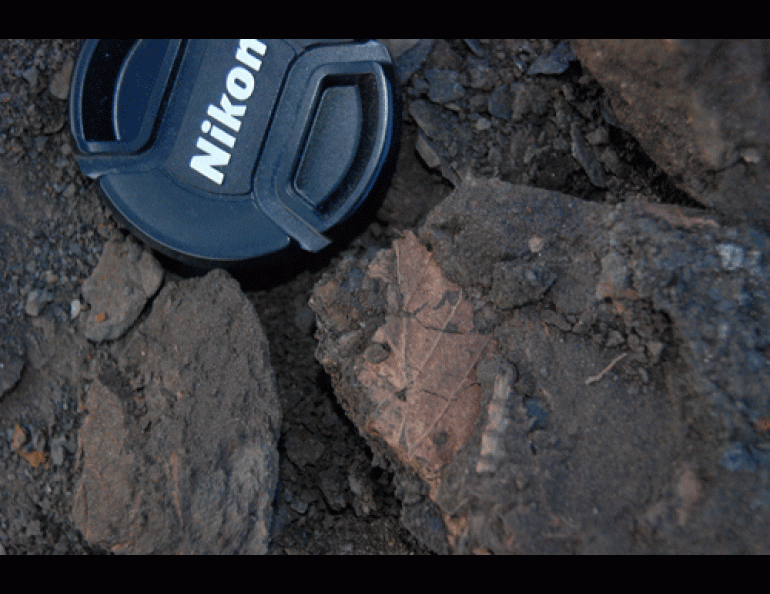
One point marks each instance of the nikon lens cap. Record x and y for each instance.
(221, 151)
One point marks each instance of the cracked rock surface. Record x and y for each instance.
(584, 425)
(178, 446)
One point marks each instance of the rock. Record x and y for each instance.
(494, 243)
(482, 77)
(500, 103)
(585, 156)
(40, 143)
(397, 47)
(443, 56)
(555, 62)
(738, 458)
(700, 109)
(718, 303)
(425, 522)
(59, 86)
(427, 151)
(532, 437)
(444, 85)
(528, 101)
(422, 399)
(58, 450)
(10, 372)
(428, 117)
(304, 319)
(437, 127)
(179, 446)
(30, 75)
(36, 301)
(125, 278)
(363, 490)
(410, 60)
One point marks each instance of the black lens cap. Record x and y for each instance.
(221, 151)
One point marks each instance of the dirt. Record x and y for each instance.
(337, 492)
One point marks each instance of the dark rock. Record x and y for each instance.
(362, 488)
(475, 47)
(717, 299)
(528, 101)
(555, 62)
(30, 74)
(514, 285)
(701, 110)
(559, 457)
(490, 240)
(188, 462)
(10, 372)
(443, 56)
(482, 77)
(585, 156)
(59, 86)
(427, 151)
(500, 103)
(428, 118)
(444, 85)
(424, 520)
(412, 59)
(125, 278)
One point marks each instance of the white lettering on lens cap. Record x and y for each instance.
(240, 86)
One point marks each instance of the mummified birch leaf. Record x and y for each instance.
(425, 397)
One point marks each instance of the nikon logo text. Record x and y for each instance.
(240, 86)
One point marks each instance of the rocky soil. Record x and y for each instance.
(552, 337)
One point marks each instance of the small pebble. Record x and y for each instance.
(731, 254)
(75, 308)
(751, 155)
(737, 458)
(482, 124)
(36, 301)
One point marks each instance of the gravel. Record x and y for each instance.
(49, 239)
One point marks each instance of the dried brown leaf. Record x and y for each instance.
(424, 395)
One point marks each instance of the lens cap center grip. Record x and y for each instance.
(218, 152)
